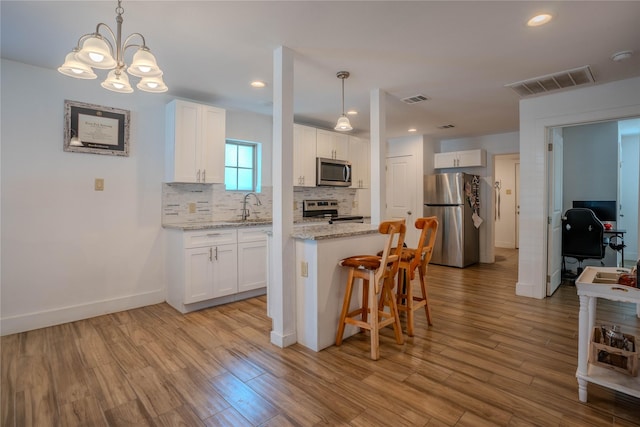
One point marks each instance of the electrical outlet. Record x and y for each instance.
(508, 191)
(295, 206)
(192, 208)
(304, 269)
(98, 184)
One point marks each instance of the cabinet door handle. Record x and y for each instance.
(198, 176)
(204, 175)
(216, 253)
(210, 254)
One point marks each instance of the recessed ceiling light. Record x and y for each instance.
(621, 56)
(538, 20)
(352, 113)
(412, 130)
(258, 84)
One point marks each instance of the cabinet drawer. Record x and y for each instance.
(253, 234)
(195, 239)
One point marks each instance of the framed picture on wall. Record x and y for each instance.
(95, 129)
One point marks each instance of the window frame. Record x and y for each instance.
(254, 166)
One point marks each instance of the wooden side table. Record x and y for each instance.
(589, 292)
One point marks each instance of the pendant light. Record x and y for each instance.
(94, 50)
(343, 124)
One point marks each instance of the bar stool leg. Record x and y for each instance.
(425, 295)
(345, 307)
(409, 302)
(373, 321)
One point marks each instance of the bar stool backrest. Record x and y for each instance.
(424, 251)
(392, 250)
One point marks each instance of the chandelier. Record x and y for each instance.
(96, 51)
(343, 124)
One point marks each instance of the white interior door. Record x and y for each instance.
(554, 222)
(401, 194)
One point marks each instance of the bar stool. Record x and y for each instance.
(410, 260)
(377, 274)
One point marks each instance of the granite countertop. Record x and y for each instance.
(303, 230)
(332, 231)
(219, 224)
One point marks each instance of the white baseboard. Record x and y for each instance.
(57, 316)
(283, 341)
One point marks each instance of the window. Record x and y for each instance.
(240, 162)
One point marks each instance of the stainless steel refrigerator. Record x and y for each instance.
(450, 197)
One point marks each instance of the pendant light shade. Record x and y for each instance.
(343, 124)
(144, 64)
(74, 68)
(94, 50)
(96, 53)
(152, 84)
(117, 81)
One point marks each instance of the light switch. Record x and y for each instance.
(99, 184)
(304, 269)
(192, 208)
(508, 191)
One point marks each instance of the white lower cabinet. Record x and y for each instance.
(211, 267)
(252, 259)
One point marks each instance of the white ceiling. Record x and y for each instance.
(459, 54)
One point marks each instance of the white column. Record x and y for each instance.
(377, 103)
(282, 289)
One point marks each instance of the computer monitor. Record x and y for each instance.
(604, 210)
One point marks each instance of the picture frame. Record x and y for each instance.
(96, 129)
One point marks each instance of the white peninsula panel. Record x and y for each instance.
(321, 281)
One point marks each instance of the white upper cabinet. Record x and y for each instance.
(460, 159)
(360, 158)
(332, 145)
(304, 156)
(195, 142)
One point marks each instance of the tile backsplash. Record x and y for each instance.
(190, 203)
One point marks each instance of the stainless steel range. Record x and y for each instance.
(327, 208)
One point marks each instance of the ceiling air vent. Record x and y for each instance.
(553, 82)
(414, 99)
(446, 127)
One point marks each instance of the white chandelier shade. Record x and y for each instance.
(144, 64)
(74, 68)
(152, 84)
(94, 50)
(117, 81)
(96, 53)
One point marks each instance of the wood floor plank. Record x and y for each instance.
(490, 358)
(243, 399)
(81, 413)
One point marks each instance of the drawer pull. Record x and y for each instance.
(214, 234)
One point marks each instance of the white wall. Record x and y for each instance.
(600, 102)
(69, 252)
(590, 163)
(503, 143)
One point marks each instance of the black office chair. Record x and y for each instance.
(582, 236)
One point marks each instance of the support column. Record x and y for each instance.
(377, 101)
(282, 288)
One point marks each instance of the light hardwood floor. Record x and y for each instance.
(491, 358)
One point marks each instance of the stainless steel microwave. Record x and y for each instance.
(333, 172)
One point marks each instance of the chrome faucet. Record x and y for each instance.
(245, 209)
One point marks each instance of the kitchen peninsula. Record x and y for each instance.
(320, 280)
